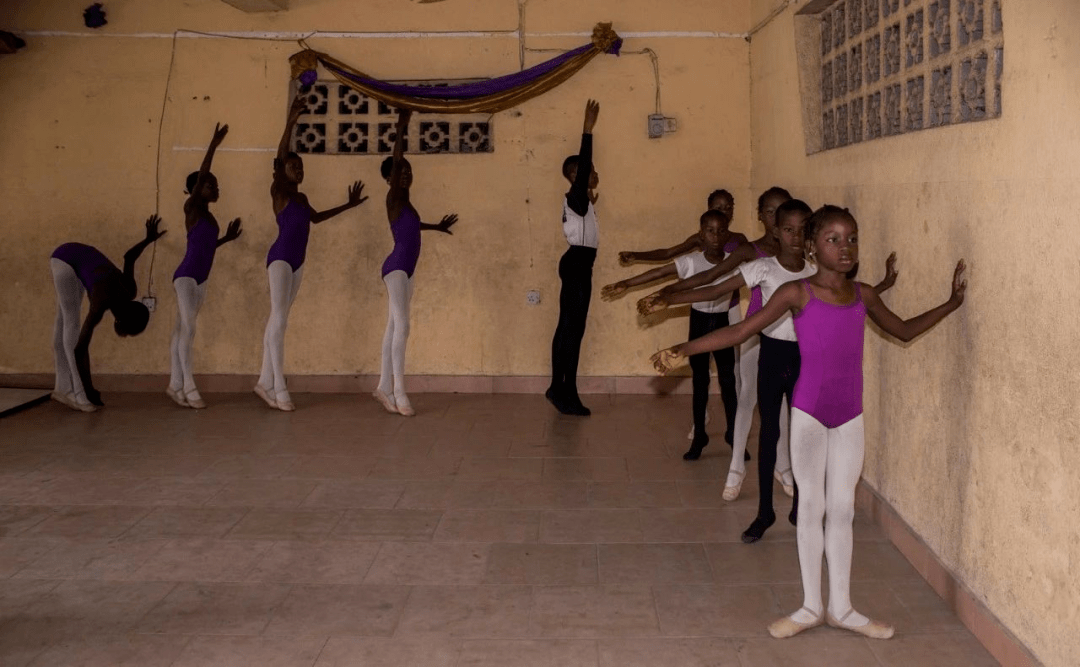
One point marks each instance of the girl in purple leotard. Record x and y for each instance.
(397, 270)
(829, 312)
(285, 261)
(189, 281)
(79, 269)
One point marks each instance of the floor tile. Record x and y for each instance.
(542, 564)
(715, 610)
(528, 653)
(129, 650)
(330, 610)
(488, 526)
(810, 649)
(202, 559)
(590, 526)
(467, 611)
(323, 562)
(422, 563)
(214, 609)
(381, 652)
(705, 652)
(595, 611)
(654, 564)
(279, 524)
(382, 525)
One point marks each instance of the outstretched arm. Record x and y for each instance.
(692, 243)
(356, 197)
(196, 193)
(787, 297)
(908, 329)
(654, 303)
(152, 234)
(444, 225)
(615, 290)
(231, 234)
(299, 106)
(578, 197)
(890, 274)
(743, 253)
(399, 153)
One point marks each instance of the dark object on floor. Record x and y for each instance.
(94, 16)
(10, 43)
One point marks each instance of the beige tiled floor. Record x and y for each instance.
(485, 531)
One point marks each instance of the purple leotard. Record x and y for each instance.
(89, 264)
(755, 292)
(201, 245)
(294, 226)
(831, 346)
(406, 252)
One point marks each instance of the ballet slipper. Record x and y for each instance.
(872, 629)
(404, 408)
(262, 393)
(789, 627)
(285, 404)
(690, 435)
(731, 491)
(194, 400)
(386, 401)
(177, 397)
(72, 402)
(789, 489)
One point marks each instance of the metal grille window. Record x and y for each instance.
(340, 120)
(890, 67)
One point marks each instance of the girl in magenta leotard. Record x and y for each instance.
(79, 269)
(397, 270)
(829, 312)
(189, 281)
(285, 261)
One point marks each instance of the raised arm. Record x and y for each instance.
(906, 330)
(399, 152)
(890, 274)
(299, 106)
(615, 290)
(578, 197)
(356, 197)
(692, 243)
(654, 303)
(787, 297)
(196, 193)
(132, 255)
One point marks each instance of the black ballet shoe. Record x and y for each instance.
(793, 515)
(578, 408)
(694, 453)
(728, 437)
(757, 529)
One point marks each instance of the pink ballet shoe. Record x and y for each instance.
(177, 397)
(70, 401)
(731, 491)
(194, 400)
(386, 401)
(262, 393)
(789, 489)
(789, 627)
(872, 629)
(404, 408)
(285, 404)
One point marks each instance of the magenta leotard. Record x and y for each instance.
(201, 246)
(294, 226)
(755, 292)
(830, 382)
(406, 252)
(89, 264)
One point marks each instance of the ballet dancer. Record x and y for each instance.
(189, 281)
(827, 445)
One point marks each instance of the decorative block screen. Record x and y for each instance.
(340, 121)
(889, 67)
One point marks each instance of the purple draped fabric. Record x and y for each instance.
(470, 90)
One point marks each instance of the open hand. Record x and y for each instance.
(890, 271)
(665, 361)
(299, 106)
(594, 196)
(592, 110)
(219, 134)
(152, 233)
(446, 223)
(959, 284)
(356, 194)
(650, 304)
(613, 291)
(233, 231)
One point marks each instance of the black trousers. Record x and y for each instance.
(575, 271)
(701, 324)
(778, 370)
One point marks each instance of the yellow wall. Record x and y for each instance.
(77, 162)
(971, 430)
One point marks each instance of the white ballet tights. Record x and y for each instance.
(69, 296)
(399, 289)
(189, 299)
(827, 463)
(744, 416)
(284, 283)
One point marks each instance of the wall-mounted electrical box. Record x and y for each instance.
(659, 125)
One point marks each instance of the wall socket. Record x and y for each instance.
(150, 302)
(659, 125)
(532, 297)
